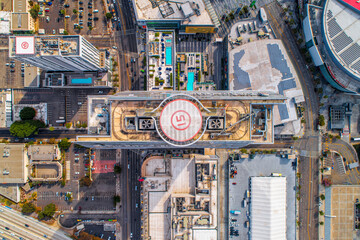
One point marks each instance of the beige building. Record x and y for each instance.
(21, 19)
(44, 152)
(13, 170)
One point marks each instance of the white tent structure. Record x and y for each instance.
(268, 208)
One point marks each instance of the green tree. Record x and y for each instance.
(322, 197)
(48, 211)
(41, 215)
(34, 11)
(246, 9)
(66, 32)
(241, 12)
(68, 125)
(75, 11)
(27, 113)
(232, 15)
(91, 28)
(116, 199)
(51, 128)
(117, 169)
(62, 12)
(321, 213)
(23, 129)
(28, 208)
(85, 181)
(69, 196)
(84, 125)
(321, 223)
(321, 120)
(108, 15)
(64, 144)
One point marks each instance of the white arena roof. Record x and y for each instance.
(180, 120)
(268, 208)
(342, 35)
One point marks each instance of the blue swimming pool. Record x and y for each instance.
(168, 53)
(81, 81)
(190, 82)
(168, 40)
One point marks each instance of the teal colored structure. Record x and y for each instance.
(81, 81)
(168, 53)
(168, 40)
(190, 82)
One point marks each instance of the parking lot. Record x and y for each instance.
(90, 15)
(51, 20)
(68, 104)
(97, 197)
(73, 16)
(261, 165)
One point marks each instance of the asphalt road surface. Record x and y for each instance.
(309, 146)
(130, 195)
(16, 223)
(46, 134)
(126, 42)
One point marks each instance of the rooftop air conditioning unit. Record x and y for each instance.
(216, 124)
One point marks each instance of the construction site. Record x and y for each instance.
(221, 119)
(179, 197)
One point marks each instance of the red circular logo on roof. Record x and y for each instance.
(180, 120)
(25, 45)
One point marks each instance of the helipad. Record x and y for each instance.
(25, 45)
(180, 120)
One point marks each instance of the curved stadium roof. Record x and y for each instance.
(341, 24)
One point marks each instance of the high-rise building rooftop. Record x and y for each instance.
(180, 119)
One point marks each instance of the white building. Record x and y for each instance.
(57, 53)
(268, 208)
(5, 20)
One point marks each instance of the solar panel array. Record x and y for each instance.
(333, 27)
(278, 60)
(341, 42)
(284, 114)
(329, 14)
(356, 66)
(351, 54)
(345, 47)
(286, 85)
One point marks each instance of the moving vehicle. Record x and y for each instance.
(276, 174)
(236, 212)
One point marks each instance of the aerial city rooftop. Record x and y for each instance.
(199, 120)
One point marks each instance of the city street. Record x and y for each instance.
(129, 215)
(309, 146)
(15, 222)
(126, 43)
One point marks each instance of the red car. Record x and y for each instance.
(234, 183)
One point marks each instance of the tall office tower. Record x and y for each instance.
(206, 119)
(58, 53)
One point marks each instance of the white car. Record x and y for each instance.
(114, 47)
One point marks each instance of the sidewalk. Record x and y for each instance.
(321, 206)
